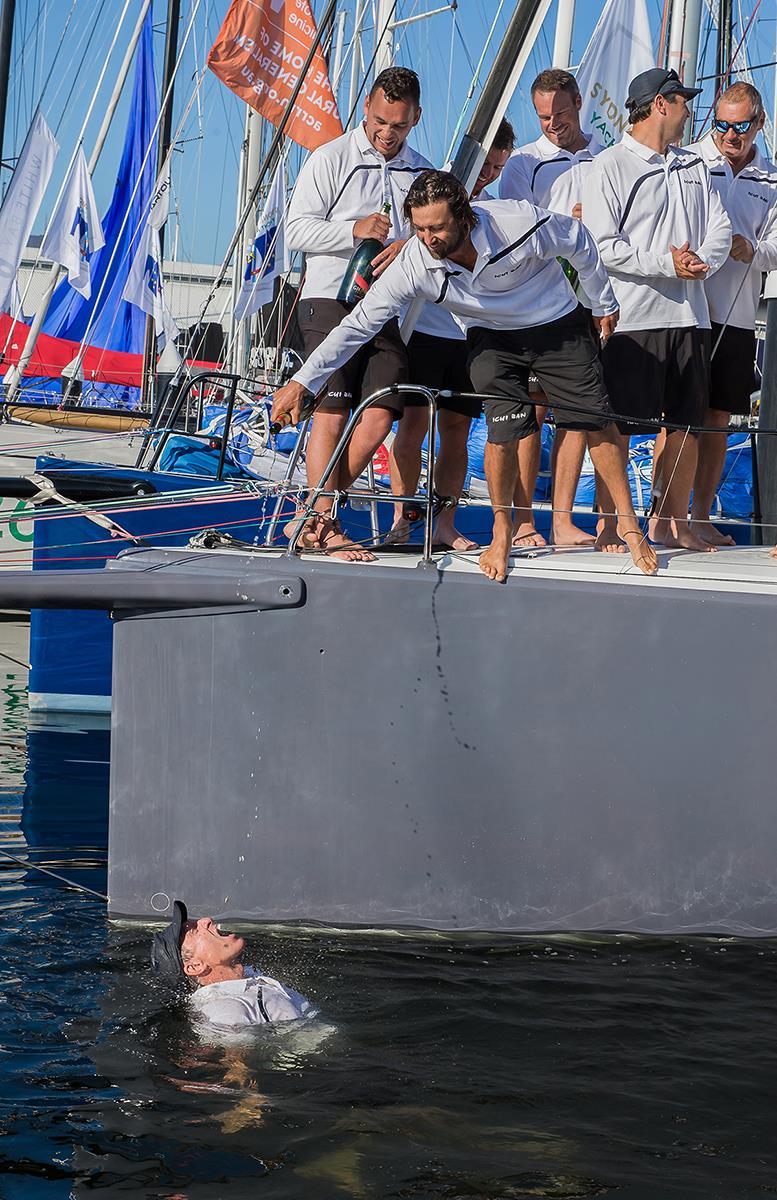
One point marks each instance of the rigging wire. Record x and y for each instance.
(31, 866)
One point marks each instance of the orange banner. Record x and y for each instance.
(259, 53)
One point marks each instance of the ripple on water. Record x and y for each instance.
(443, 1067)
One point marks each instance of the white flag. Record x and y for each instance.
(22, 201)
(620, 48)
(160, 203)
(144, 286)
(266, 258)
(75, 231)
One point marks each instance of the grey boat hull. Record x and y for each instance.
(578, 750)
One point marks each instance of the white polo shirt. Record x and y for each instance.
(750, 199)
(340, 183)
(516, 282)
(253, 1000)
(436, 321)
(637, 203)
(540, 171)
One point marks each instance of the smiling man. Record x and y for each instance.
(494, 266)
(229, 993)
(338, 202)
(747, 186)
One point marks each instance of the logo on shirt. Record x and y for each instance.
(758, 196)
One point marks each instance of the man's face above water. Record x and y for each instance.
(205, 947)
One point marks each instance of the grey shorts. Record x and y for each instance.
(379, 364)
(565, 358)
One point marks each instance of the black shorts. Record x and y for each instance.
(565, 358)
(379, 364)
(658, 373)
(732, 370)
(440, 363)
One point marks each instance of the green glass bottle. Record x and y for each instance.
(358, 275)
(569, 271)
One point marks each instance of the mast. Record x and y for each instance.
(562, 43)
(6, 38)
(723, 67)
(15, 374)
(163, 149)
(384, 34)
(683, 52)
(498, 89)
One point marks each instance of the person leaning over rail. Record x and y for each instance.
(747, 185)
(661, 231)
(494, 267)
(227, 993)
(338, 202)
(437, 358)
(549, 172)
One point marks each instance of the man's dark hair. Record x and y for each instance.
(555, 80)
(639, 112)
(432, 187)
(504, 138)
(398, 83)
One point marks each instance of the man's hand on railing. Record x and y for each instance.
(288, 404)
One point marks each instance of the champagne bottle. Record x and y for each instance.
(358, 275)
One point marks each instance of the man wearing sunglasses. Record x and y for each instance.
(747, 185)
(662, 232)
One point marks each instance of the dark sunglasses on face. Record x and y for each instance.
(737, 126)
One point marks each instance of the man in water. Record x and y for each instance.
(228, 993)
(494, 267)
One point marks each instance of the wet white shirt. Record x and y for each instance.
(253, 1000)
(340, 183)
(750, 199)
(540, 171)
(516, 282)
(637, 203)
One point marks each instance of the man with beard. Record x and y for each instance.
(495, 268)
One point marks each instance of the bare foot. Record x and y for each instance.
(525, 537)
(607, 540)
(682, 537)
(447, 535)
(399, 534)
(658, 528)
(494, 559)
(336, 544)
(642, 553)
(708, 533)
(773, 552)
(566, 533)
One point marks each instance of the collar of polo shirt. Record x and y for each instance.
(549, 149)
(366, 147)
(644, 151)
(711, 153)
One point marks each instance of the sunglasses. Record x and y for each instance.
(737, 126)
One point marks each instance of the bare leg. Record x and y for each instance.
(501, 464)
(529, 454)
(449, 475)
(607, 457)
(607, 538)
(678, 469)
(656, 527)
(566, 463)
(712, 455)
(405, 463)
(327, 429)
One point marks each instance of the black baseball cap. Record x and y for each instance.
(657, 82)
(166, 947)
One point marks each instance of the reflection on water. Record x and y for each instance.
(445, 1068)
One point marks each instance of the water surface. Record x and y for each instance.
(445, 1067)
